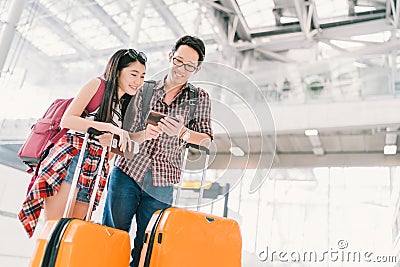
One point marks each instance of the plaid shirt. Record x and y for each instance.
(164, 154)
(52, 172)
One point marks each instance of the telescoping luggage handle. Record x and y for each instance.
(203, 176)
(71, 196)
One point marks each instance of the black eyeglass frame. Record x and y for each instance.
(132, 53)
(184, 64)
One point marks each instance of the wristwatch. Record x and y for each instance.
(186, 135)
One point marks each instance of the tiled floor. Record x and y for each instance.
(15, 247)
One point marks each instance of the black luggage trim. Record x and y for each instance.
(52, 247)
(152, 237)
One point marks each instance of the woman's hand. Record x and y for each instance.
(105, 139)
(114, 129)
(124, 139)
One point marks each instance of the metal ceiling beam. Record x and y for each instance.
(387, 47)
(305, 13)
(352, 4)
(283, 43)
(170, 20)
(107, 20)
(297, 40)
(393, 12)
(347, 39)
(364, 28)
(273, 55)
(323, 24)
(58, 27)
(375, 3)
(139, 15)
(226, 32)
(242, 31)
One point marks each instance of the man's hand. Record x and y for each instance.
(124, 141)
(172, 127)
(152, 131)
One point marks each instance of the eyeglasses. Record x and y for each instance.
(189, 67)
(136, 55)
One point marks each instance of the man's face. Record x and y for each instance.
(184, 55)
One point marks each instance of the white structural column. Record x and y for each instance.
(9, 29)
(138, 22)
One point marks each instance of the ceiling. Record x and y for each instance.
(75, 33)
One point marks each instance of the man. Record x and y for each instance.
(145, 184)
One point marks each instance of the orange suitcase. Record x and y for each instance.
(179, 237)
(76, 243)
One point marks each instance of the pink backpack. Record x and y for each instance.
(47, 131)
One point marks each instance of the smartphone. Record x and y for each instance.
(154, 117)
(128, 153)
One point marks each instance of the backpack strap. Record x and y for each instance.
(148, 92)
(193, 100)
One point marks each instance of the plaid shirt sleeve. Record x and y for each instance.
(202, 120)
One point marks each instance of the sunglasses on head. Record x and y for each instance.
(132, 53)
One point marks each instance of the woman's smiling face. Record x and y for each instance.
(131, 78)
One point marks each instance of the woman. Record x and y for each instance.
(124, 74)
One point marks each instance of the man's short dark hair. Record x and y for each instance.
(193, 42)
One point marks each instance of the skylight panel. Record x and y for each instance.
(154, 27)
(112, 8)
(332, 8)
(93, 34)
(156, 34)
(186, 14)
(257, 13)
(48, 42)
(62, 10)
(104, 3)
(123, 13)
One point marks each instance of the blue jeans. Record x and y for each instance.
(126, 198)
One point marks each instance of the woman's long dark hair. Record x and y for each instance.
(117, 62)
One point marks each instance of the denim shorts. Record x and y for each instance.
(83, 193)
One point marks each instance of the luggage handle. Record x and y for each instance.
(94, 132)
(207, 151)
(90, 133)
(198, 147)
